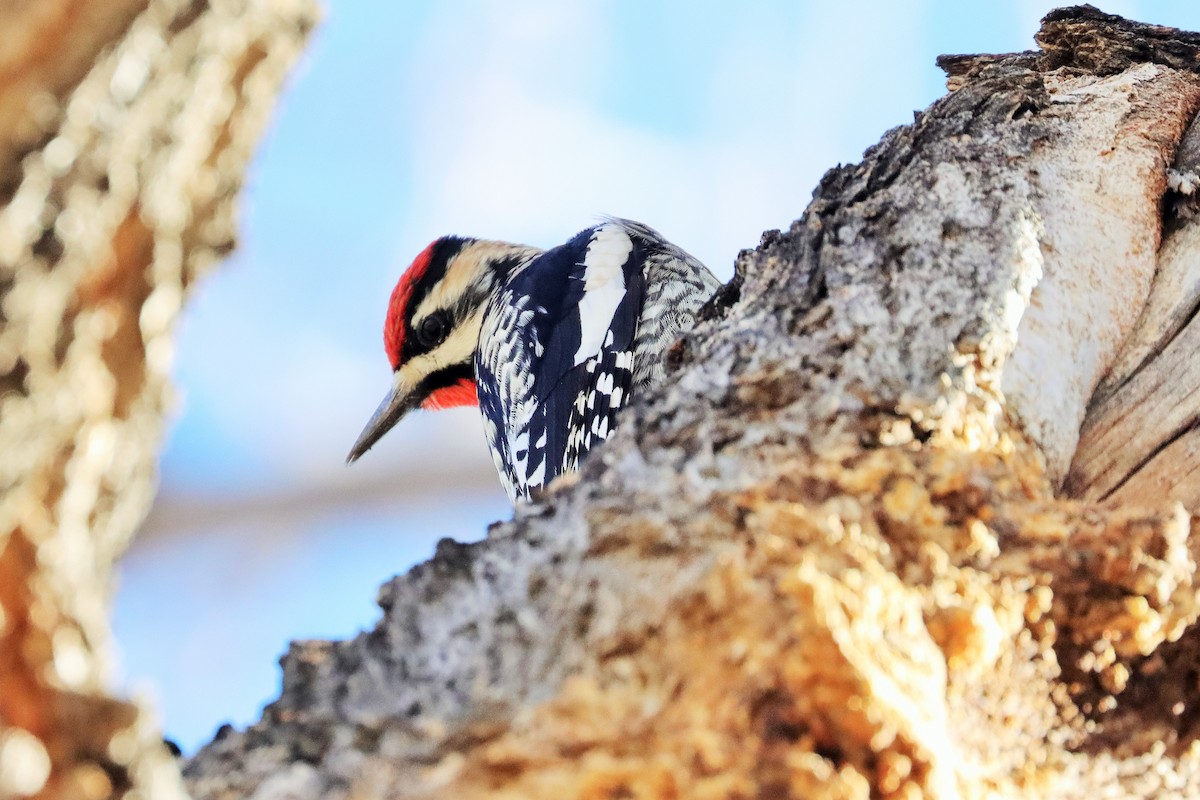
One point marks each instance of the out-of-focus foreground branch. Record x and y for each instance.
(125, 128)
(835, 557)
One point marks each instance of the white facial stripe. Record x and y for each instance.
(466, 268)
(458, 347)
(603, 287)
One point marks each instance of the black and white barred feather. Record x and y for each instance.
(574, 334)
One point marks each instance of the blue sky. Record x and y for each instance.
(520, 121)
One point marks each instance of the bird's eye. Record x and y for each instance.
(434, 329)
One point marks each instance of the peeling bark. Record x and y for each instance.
(125, 127)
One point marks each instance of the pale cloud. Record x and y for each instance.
(507, 152)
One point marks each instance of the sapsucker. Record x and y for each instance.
(550, 345)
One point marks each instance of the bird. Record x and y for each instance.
(551, 345)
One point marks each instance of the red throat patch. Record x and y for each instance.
(460, 393)
(393, 324)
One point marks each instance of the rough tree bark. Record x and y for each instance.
(833, 558)
(125, 127)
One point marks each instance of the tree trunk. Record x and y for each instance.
(835, 557)
(125, 127)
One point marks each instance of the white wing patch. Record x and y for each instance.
(603, 287)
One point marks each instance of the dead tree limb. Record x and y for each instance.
(834, 558)
(125, 127)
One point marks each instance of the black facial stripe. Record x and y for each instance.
(481, 289)
(501, 267)
(449, 376)
(444, 251)
(470, 301)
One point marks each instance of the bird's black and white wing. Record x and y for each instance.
(555, 362)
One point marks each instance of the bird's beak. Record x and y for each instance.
(399, 401)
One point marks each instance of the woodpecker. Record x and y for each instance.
(550, 345)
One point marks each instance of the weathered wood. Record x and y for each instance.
(1138, 443)
(125, 127)
(829, 560)
(1133, 442)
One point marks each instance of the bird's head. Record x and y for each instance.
(432, 328)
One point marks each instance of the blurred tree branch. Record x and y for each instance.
(125, 128)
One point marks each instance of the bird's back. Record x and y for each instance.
(569, 339)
